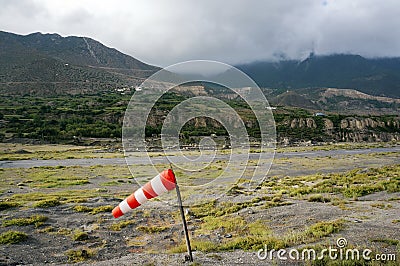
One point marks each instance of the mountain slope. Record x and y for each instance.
(373, 76)
(38, 61)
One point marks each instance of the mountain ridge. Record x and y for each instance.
(378, 76)
(45, 64)
(49, 63)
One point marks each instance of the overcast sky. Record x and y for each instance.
(164, 32)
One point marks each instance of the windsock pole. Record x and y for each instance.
(189, 256)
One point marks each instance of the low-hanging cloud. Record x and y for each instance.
(165, 32)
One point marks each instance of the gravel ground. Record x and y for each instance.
(364, 223)
(369, 222)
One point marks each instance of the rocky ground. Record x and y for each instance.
(83, 231)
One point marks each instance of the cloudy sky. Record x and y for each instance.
(162, 32)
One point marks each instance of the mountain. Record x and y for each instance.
(49, 63)
(379, 76)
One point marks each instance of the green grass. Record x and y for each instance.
(61, 177)
(79, 255)
(65, 196)
(152, 229)
(101, 209)
(388, 241)
(93, 210)
(12, 237)
(227, 224)
(11, 151)
(37, 220)
(215, 209)
(47, 203)
(82, 208)
(318, 198)
(351, 184)
(255, 235)
(121, 224)
(80, 236)
(7, 205)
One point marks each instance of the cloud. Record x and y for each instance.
(166, 32)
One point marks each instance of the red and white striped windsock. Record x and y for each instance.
(163, 182)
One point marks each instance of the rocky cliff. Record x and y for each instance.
(349, 129)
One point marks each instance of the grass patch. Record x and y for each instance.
(37, 220)
(381, 206)
(12, 237)
(93, 210)
(47, 203)
(152, 229)
(101, 209)
(63, 231)
(318, 198)
(212, 208)
(7, 205)
(65, 196)
(59, 152)
(79, 255)
(48, 229)
(244, 243)
(82, 208)
(351, 184)
(122, 224)
(322, 229)
(392, 242)
(80, 236)
(60, 176)
(253, 236)
(226, 224)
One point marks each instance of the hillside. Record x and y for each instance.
(380, 76)
(49, 63)
(344, 101)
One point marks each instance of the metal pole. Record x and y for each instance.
(189, 256)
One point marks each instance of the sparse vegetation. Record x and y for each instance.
(121, 224)
(253, 236)
(80, 236)
(318, 198)
(100, 209)
(47, 203)
(4, 205)
(219, 225)
(12, 237)
(387, 241)
(79, 255)
(152, 229)
(212, 208)
(355, 183)
(36, 220)
(93, 210)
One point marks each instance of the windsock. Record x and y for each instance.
(163, 182)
